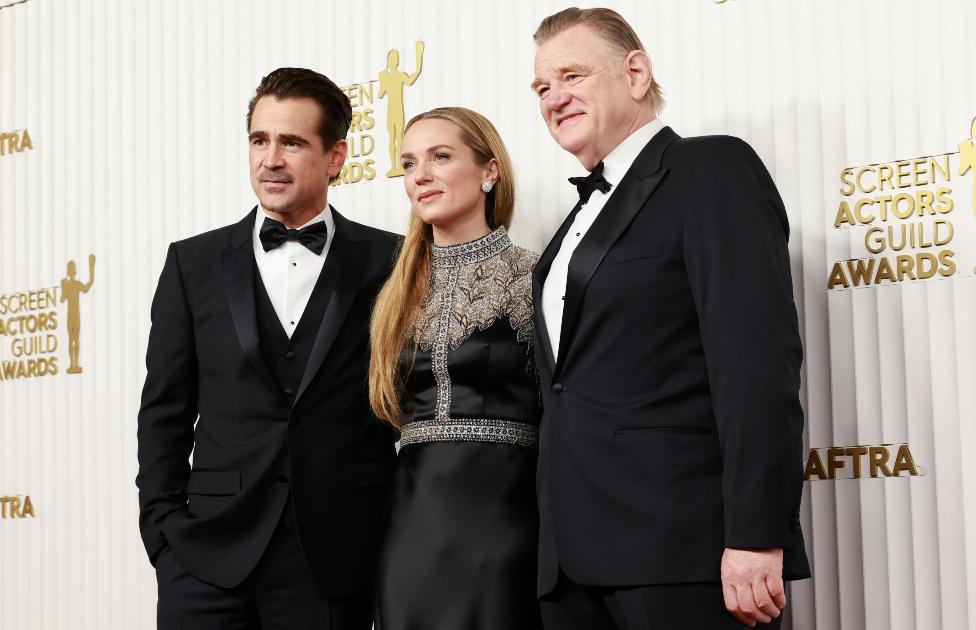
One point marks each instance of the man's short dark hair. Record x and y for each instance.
(336, 111)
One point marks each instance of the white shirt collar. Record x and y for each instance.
(325, 215)
(622, 157)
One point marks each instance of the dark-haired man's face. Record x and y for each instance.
(290, 168)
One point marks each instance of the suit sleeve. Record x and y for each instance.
(737, 259)
(169, 408)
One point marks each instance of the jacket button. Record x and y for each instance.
(289, 391)
(281, 478)
(289, 355)
(557, 388)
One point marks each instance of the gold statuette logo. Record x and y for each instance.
(392, 81)
(967, 158)
(389, 86)
(71, 290)
(31, 321)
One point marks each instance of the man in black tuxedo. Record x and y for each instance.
(257, 364)
(670, 464)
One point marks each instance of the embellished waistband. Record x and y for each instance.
(470, 430)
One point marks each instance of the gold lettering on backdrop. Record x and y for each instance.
(15, 507)
(31, 321)
(859, 462)
(392, 82)
(905, 207)
(15, 142)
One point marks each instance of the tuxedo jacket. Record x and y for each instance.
(209, 390)
(672, 426)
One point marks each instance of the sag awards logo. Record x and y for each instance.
(31, 320)
(906, 220)
(857, 462)
(15, 142)
(389, 86)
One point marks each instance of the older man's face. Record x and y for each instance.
(584, 94)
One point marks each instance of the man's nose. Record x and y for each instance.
(556, 98)
(272, 157)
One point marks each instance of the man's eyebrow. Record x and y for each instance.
(259, 134)
(291, 137)
(536, 84)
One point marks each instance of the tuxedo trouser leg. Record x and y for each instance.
(188, 603)
(285, 595)
(573, 606)
(675, 607)
(570, 606)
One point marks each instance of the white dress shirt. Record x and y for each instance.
(615, 166)
(289, 272)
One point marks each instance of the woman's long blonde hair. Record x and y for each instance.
(401, 298)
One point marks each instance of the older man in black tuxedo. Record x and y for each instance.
(668, 349)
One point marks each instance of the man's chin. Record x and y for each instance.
(275, 205)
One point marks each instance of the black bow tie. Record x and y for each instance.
(594, 181)
(274, 234)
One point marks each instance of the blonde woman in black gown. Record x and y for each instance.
(451, 369)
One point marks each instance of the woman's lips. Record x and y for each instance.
(429, 196)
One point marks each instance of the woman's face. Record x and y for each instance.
(442, 177)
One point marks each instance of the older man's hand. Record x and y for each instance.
(752, 583)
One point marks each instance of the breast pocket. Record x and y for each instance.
(631, 265)
(633, 252)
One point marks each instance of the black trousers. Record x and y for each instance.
(572, 606)
(278, 595)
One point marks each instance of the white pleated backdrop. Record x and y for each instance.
(135, 110)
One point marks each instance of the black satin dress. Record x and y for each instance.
(462, 544)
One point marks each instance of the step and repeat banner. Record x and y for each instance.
(122, 129)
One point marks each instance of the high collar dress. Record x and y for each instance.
(462, 543)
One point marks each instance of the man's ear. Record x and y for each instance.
(339, 151)
(637, 65)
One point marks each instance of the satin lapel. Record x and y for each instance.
(539, 275)
(625, 202)
(346, 262)
(238, 268)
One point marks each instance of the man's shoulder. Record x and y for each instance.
(720, 145)
(215, 237)
(708, 153)
(357, 231)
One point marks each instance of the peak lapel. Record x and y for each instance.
(238, 268)
(539, 275)
(625, 202)
(346, 262)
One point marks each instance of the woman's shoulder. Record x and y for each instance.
(525, 259)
